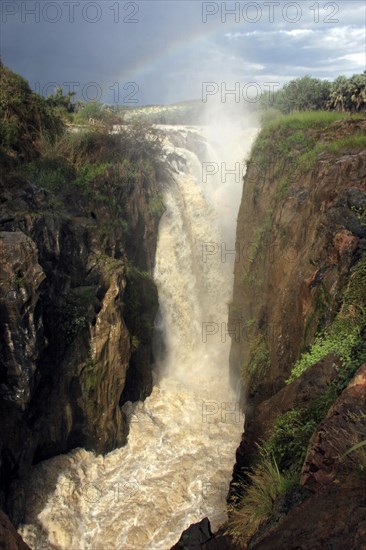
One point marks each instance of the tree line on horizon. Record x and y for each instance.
(313, 94)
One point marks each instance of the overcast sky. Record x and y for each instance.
(151, 52)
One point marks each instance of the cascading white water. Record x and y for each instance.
(177, 464)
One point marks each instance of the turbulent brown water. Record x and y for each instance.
(177, 464)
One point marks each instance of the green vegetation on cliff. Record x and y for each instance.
(289, 137)
(285, 151)
(343, 337)
(24, 118)
(256, 368)
(88, 167)
(295, 142)
(140, 297)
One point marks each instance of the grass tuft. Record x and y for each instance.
(265, 484)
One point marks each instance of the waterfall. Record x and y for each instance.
(177, 464)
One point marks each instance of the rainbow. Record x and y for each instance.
(168, 53)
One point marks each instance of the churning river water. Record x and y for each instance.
(177, 464)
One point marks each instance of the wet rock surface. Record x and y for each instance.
(299, 394)
(326, 461)
(332, 513)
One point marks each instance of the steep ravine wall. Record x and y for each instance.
(296, 249)
(299, 271)
(70, 324)
(301, 234)
(298, 234)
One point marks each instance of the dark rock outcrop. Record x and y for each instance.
(326, 462)
(67, 335)
(299, 394)
(195, 536)
(333, 520)
(200, 537)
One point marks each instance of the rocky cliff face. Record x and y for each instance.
(298, 234)
(71, 331)
(328, 508)
(299, 277)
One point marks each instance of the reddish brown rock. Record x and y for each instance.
(332, 520)
(345, 243)
(344, 426)
(333, 516)
(306, 243)
(300, 394)
(9, 538)
(309, 239)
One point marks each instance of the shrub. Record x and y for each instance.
(52, 174)
(97, 112)
(291, 433)
(312, 94)
(24, 117)
(74, 311)
(90, 172)
(89, 374)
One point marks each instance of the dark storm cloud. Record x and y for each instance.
(174, 46)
